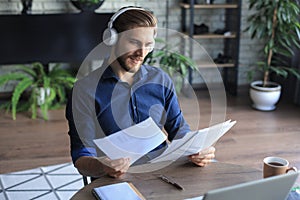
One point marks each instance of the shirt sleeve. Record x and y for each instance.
(175, 125)
(80, 113)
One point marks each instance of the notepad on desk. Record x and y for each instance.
(123, 190)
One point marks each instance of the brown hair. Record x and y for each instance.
(134, 18)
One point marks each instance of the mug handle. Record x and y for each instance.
(291, 169)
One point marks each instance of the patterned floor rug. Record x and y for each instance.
(55, 182)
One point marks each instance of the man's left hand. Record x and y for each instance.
(203, 157)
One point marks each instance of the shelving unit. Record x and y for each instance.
(232, 16)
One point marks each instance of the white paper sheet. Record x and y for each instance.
(132, 142)
(194, 142)
(116, 191)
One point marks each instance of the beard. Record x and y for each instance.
(130, 63)
(123, 64)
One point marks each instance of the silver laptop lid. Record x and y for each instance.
(273, 188)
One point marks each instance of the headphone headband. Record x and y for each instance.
(110, 35)
(121, 11)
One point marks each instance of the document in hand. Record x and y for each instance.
(124, 191)
(193, 142)
(132, 142)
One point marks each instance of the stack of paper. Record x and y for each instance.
(132, 142)
(194, 142)
(138, 140)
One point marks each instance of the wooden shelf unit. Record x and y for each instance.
(211, 36)
(232, 22)
(209, 6)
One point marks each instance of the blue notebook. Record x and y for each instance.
(124, 191)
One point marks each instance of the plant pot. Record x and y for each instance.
(27, 5)
(264, 98)
(41, 94)
(86, 6)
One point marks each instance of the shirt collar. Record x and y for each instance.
(141, 73)
(108, 73)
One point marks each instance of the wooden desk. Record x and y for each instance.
(195, 180)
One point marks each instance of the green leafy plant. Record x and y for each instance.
(276, 22)
(46, 90)
(171, 62)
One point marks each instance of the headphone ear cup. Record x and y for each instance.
(110, 36)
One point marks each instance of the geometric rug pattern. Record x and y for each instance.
(55, 182)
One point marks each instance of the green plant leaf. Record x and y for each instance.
(292, 71)
(32, 76)
(280, 32)
(51, 97)
(26, 70)
(61, 94)
(44, 110)
(33, 105)
(19, 89)
(171, 61)
(6, 106)
(279, 71)
(11, 77)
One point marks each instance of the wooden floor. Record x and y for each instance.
(26, 143)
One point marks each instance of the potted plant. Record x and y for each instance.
(276, 22)
(174, 63)
(87, 5)
(45, 90)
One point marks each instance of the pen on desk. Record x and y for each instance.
(168, 180)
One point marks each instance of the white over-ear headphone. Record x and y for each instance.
(110, 34)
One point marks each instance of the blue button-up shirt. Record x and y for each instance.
(101, 104)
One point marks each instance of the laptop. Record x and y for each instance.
(272, 188)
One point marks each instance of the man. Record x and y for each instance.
(126, 92)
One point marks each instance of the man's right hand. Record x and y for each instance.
(115, 168)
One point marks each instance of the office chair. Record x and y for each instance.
(86, 180)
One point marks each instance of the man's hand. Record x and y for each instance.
(203, 157)
(115, 168)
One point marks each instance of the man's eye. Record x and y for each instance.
(149, 45)
(134, 43)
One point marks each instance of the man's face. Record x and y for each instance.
(133, 46)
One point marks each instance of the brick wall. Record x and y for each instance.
(248, 48)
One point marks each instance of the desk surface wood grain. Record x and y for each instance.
(195, 180)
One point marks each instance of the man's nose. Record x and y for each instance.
(142, 51)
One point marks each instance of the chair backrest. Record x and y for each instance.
(86, 180)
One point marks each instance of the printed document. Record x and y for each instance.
(137, 140)
(132, 142)
(193, 142)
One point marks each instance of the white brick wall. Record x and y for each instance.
(248, 56)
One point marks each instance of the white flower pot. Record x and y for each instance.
(264, 98)
(41, 95)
